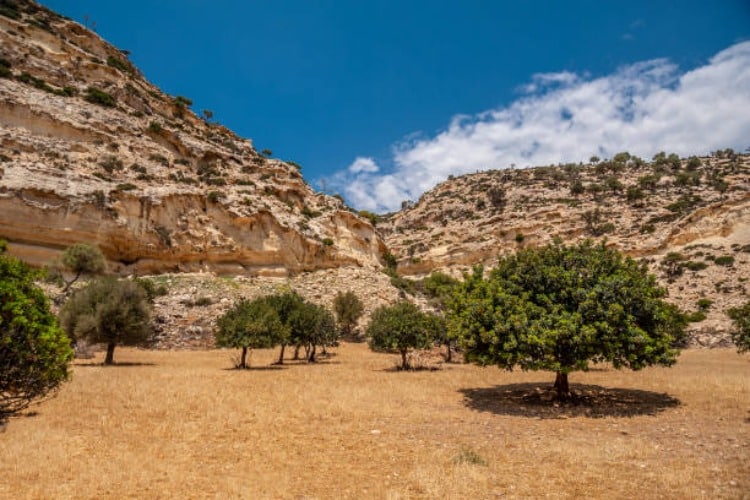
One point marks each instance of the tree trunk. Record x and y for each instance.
(561, 384)
(311, 358)
(448, 353)
(281, 355)
(110, 359)
(404, 362)
(296, 352)
(243, 359)
(70, 283)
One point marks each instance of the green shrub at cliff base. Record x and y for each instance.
(401, 327)
(34, 352)
(108, 311)
(741, 333)
(348, 310)
(560, 308)
(251, 325)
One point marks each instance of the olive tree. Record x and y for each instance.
(559, 308)
(250, 325)
(741, 335)
(348, 310)
(108, 311)
(401, 326)
(287, 305)
(82, 259)
(34, 352)
(314, 326)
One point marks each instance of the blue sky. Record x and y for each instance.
(383, 99)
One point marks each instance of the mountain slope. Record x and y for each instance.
(91, 151)
(689, 219)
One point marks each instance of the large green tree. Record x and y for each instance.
(287, 306)
(108, 311)
(559, 308)
(34, 352)
(741, 334)
(402, 327)
(315, 327)
(251, 325)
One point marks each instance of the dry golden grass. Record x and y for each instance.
(182, 424)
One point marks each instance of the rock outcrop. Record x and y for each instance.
(688, 218)
(92, 152)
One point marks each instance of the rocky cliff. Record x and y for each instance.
(688, 218)
(90, 151)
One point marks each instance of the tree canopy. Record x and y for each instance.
(348, 310)
(34, 351)
(82, 259)
(108, 311)
(741, 334)
(560, 308)
(251, 325)
(401, 326)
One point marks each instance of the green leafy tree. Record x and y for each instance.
(83, 259)
(109, 311)
(286, 306)
(348, 310)
(439, 288)
(34, 352)
(560, 308)
(250, 325)
(315, 327)
(401, 327)
(741, 334)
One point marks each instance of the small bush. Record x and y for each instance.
(309, 213)
(704, 304)
(327, 242)
(724, 260)
(97, 96)
(471, 457)
(155, 127)
(695, 266)
(120, 64)
(126, 186)
(5, 71)
(202, 302)
(634, 194)
(111, 164)
(696, 317)
(159, 159)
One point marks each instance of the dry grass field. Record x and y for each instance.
(185, 425)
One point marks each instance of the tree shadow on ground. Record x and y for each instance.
(415, 369)
(537, 400)
(256, 368)
(124, 364)
(302, 362)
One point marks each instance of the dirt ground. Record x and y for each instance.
(184, 424)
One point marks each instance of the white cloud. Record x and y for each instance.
(362, 164)
(642, 108)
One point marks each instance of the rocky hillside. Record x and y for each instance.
(689, 218)
(90, 151)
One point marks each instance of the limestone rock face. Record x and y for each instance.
(696, 209)
(92, 152)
